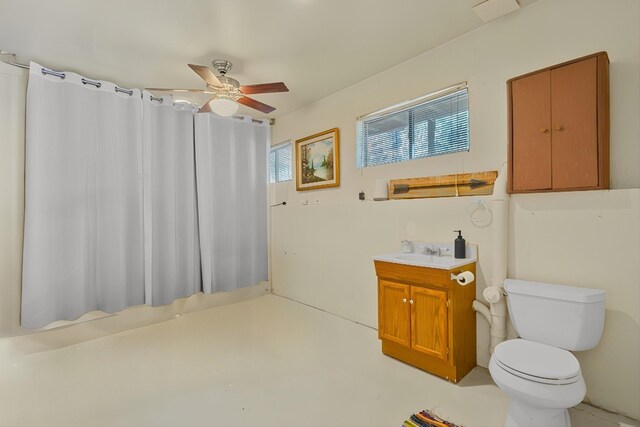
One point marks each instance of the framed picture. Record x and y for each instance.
(318, 161)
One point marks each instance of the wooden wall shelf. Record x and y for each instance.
(462, 184)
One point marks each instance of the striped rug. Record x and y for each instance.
(427, 419)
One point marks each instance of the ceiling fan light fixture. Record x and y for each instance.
(227, 92)
(223, 106)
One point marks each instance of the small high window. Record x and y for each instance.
(280, 162)
(432, 125)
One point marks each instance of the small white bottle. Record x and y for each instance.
(406, 246)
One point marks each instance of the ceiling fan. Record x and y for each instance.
(227, 92)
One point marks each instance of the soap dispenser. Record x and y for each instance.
(460, 246)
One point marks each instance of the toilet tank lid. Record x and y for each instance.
(552, 291)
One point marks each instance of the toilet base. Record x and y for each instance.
(522, 415)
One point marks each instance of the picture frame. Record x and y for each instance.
(318, 161)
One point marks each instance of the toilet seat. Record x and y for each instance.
(537, 362)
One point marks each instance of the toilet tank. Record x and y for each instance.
(562, 316)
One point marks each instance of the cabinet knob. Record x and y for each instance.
(560, 128)
(544, 130)
(404, 300)
(410, 301)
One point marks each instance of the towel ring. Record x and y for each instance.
(475, 205)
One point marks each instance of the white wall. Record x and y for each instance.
(321, 252)
(589, 239)
(13, 83)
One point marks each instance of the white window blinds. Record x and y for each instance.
(280, 162)
(424, 128)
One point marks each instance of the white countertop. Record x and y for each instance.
(418, 259)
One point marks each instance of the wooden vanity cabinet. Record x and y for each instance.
(426, 319)
(559, 127)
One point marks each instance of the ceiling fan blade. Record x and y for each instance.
(206, 108)
(264, 88)
(249, 102)
(159, 89)
(206, 74)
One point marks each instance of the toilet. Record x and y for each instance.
(537, 371)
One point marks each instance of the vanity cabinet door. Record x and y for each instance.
(429, 322)
(393, 312)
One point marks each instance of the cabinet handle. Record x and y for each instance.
(560, 128)
(544, 130)
(404, 300)
(410, 301)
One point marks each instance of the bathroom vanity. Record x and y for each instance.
(425, 317)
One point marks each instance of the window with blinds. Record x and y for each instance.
(280, 162)
(429, 126)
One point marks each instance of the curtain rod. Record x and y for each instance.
(10, 59)
(271, 121)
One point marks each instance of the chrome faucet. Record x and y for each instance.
(432, 251)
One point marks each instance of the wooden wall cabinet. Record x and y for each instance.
(426, 319)
(559, 127)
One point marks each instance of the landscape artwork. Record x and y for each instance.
(318, 161)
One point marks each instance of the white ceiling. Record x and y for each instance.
(316, 47)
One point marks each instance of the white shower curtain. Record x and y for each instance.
(172, 253)
(83, 242)
(111, 213)
(231, 165)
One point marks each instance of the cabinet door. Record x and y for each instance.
(531, 132)
(429, 322)
(574, 125)
(393, 312)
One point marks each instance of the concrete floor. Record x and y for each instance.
(264, 362)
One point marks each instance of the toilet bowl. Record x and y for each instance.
(542, 378)
(542, 381)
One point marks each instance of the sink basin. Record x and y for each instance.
(429, 261)
(426, 259)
